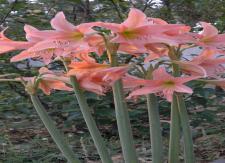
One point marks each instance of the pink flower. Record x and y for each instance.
(206, 64)
(164, 83)
(64, 40)
(96, 77)
(65, 34)
(209, 37)
(48, 81)
(138, 29)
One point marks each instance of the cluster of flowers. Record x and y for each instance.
(137, 35)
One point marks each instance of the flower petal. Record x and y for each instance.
(183, 89)
(208, 30)
(135, 18)
(145, 90)
(60, 23)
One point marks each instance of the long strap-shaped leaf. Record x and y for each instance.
(53, 131)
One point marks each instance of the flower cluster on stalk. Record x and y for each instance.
(161, 42)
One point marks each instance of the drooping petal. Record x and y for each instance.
(191, 68)
(168, 94)
(154, 88)
(22, 56)
(132, 82)
(185, 79)
(44, 87)
(183, 89)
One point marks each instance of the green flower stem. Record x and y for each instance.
(188, 142)
(174, 133)
(155, 129)
(123, 123)
(174, 143)
(122, 116)
(92, 127)
(54, 132)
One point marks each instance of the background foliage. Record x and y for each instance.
(22, 135)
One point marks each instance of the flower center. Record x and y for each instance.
(77, 35)
(207, 39)
(129, 34)
(169, 83)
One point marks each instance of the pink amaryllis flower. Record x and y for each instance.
(137, 29)
(96, 77)
(163, 83)
(65, 34)
(48, 81)
(101, 81)
(34, 36)
(210, 38)
(63, 40)
(206, 64)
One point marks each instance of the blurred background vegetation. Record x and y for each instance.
(23, 138)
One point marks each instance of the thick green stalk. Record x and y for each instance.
(123, 123)
(155, 129)
(174, 133)
(53, 131)
(188, 142)
(122, 116)
(174, 144)
(92, 127)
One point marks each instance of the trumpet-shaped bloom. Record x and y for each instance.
(137, 29)
(206, 64)
(164, 83)
(49, 81)
(96, 77)
(209, 37)
(65, 34)
(100, 82)
(65, 40)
